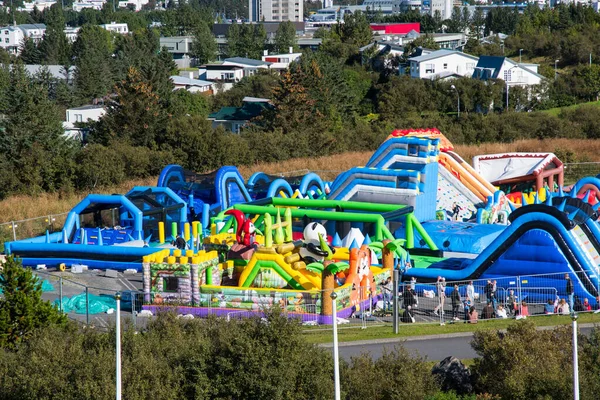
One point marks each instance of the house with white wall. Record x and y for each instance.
(12, 36)
(281, 62)
(513, 73)
(442, 64)
(192, 85)
(136, 5)
(250, 65)
(41, 5)
(81, 114)
(71, 33)
(93, 4)
(224, 76)
(123, 29)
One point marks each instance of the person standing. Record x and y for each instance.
(471, 292)
(511, 303)
(455, 298)
(489, 293)
(409, 297)
(387, 293)
(570, 290)
(441, 292)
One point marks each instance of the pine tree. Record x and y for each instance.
(93, 56)
(32, 142)
(135, 116)
(142, 51)
(30, 52)
(294, 110)
(55, 48)
(22, 309)
(285, 37)
(204, 47)
(234, 43)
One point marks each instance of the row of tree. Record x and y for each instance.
(42, 356)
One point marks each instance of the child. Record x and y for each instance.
(466, 307)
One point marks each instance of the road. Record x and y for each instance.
(435, 348)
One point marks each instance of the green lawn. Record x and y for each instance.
(557, 110)
(346, 334)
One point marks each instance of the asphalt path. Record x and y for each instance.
(434, 348)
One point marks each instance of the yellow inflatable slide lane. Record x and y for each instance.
(466, 174)
(265, 258)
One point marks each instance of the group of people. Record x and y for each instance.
(509, 307)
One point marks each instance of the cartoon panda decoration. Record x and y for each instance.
(311, 251)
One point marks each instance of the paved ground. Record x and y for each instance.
(435, 347)
(98, 284)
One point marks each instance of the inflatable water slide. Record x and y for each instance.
(414, 165)
(551, 238)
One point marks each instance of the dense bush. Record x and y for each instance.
(526, 363)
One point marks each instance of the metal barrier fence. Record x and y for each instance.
(433, 302)
(26, 228)
(87, 304)
(575, 171)
(502, 297)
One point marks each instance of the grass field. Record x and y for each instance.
(556, 111)
(320, 335)
(23, 207)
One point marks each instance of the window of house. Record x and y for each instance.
(170, 284)
(429, 68)
(6, 40)
(78, 117)
(445, 65)
(6, 32)
(507, 75)
(470, 66)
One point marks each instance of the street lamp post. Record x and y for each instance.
(575, 359)
(118, 346)
(336, 355)
(458, 97)
(555, 66)
(520, 51)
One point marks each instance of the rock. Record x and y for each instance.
(111, 273)
(144, 313)
(77, 268)
(453, 375)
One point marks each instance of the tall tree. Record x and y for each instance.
(234, 40)
(142, 51)
(477, 23)
(294, 108)
(355, 30)
(55, 47)
(257, 38)
(32, 142)
(135, 116)
(204, 47)
(285, 38)
(22, 309)
(92, 52)
(30, 52)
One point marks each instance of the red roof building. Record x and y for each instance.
(396, 28)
